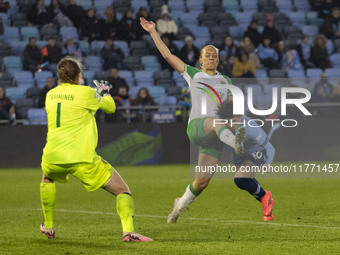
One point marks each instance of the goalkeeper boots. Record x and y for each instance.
(48, 232)
(173, 216)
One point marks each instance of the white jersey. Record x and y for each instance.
(207, 92)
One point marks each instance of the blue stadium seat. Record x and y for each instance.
(19, 47)
(11, 33)
(136, 4)
(335, 59)
(27, 32)
(40, 78)
(85, 47)
(133, 91)
(176, 5)
(93, 63)
(167, 100)
(24, 79)
(144, 78)
(332, 73)
(244, 17)
(298, 18)
(128, 76)
(96, 46)
(69, 32)
(89, 76)
(249, 5)
(37, 116)
(123, 46)
(190, 18)
(15, 93)
(157, 91)
(313, 72)
(302, 5)
(261, 73)
(311, 31)
(201, 33)
(12, 64)
(296, 74)
(236, 32)
(5, 20)
(195, 5)
(86, 4)
(284, 5)
(179, 44)
(231, 6)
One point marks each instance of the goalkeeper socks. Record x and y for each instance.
(226, 136)
(188, 197)
(251, 185)
(125, 209)
(47, 196)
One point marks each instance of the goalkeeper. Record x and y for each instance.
(71, 142)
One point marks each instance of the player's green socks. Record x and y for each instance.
(125, 209)
(47, 196)
(188, 197)
(226, 136)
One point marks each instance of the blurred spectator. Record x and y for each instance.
(224, 66)
(125, 27)
(58, 13)
(185, 102)
(230, 48)
(189, 52)
(143, 98)
(319, 95)
(72, 48)
(319, 53)
(76, 13)
(32, 56)
(325, 84)
(305, 52)
(166, 25)
(270, 31)
(52, 54)
(50, 83)
(336, 93)
(325, 8)
(331, 26)
(288, 59)
(112, 56)
(116, 82)
(137, 28)
(281, 50)
(123, 99)
(173, 49)
(7, 109)
(39, 15)
(243, 67)
(268, 55)
(4, 6)
(248, 46)
(90, 29)
(109, 25)
(253, 33)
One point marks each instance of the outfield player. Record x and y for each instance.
(258, 152)
(201, 131)
(71, 142)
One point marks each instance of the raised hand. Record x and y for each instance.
(148, 26)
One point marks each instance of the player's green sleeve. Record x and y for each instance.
(107, 104)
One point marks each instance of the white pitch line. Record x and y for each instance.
(195, 219)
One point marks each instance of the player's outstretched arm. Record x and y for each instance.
(173, 60)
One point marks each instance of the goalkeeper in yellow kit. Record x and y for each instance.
(71, 142)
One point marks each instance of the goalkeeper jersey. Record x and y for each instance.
(207, 92)
(72, 130)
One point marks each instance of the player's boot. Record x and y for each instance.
(50, 233)
(267, 202)
(135, 237)
(239, 140)
(173, 216)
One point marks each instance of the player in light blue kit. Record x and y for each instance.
(258, 151)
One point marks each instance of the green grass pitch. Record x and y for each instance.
(223, 220)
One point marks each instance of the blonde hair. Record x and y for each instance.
(68, 70)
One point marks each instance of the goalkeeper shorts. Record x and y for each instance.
(210, 145)
(93, 175)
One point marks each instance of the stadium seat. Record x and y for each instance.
(313, 72)
(335, 59)
(24, 79)
(179, 44)
(243, 17)
(96, 47)
(19, 47)
(11, 33)
(48, 31)
(190, 18)
(85, 47)
(15, 93)
(261, 73)
(284, 5)
(86, 4)
(298, 18)
(37, 116)
(311, 31)
(128, 76)
(231, 6)
(332, 73)
(12, 64)
(33, 93)
(69, 32)
(144, 78)
(135, 4)
(167, 100)
(93, 63)
(132, 62)
(27, 32)
(277, 73)
(302, 5)
(176, 5)
(139, 48)
(157, 91)
(89, 77)
(22, 106)
(19, 19)
(236, 32)
(40, 78)
(4, 18)
(133, 91)
(123, 46)
(195, 5)
(248, 5)
(296, 74)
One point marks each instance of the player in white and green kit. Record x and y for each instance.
(201, 131)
